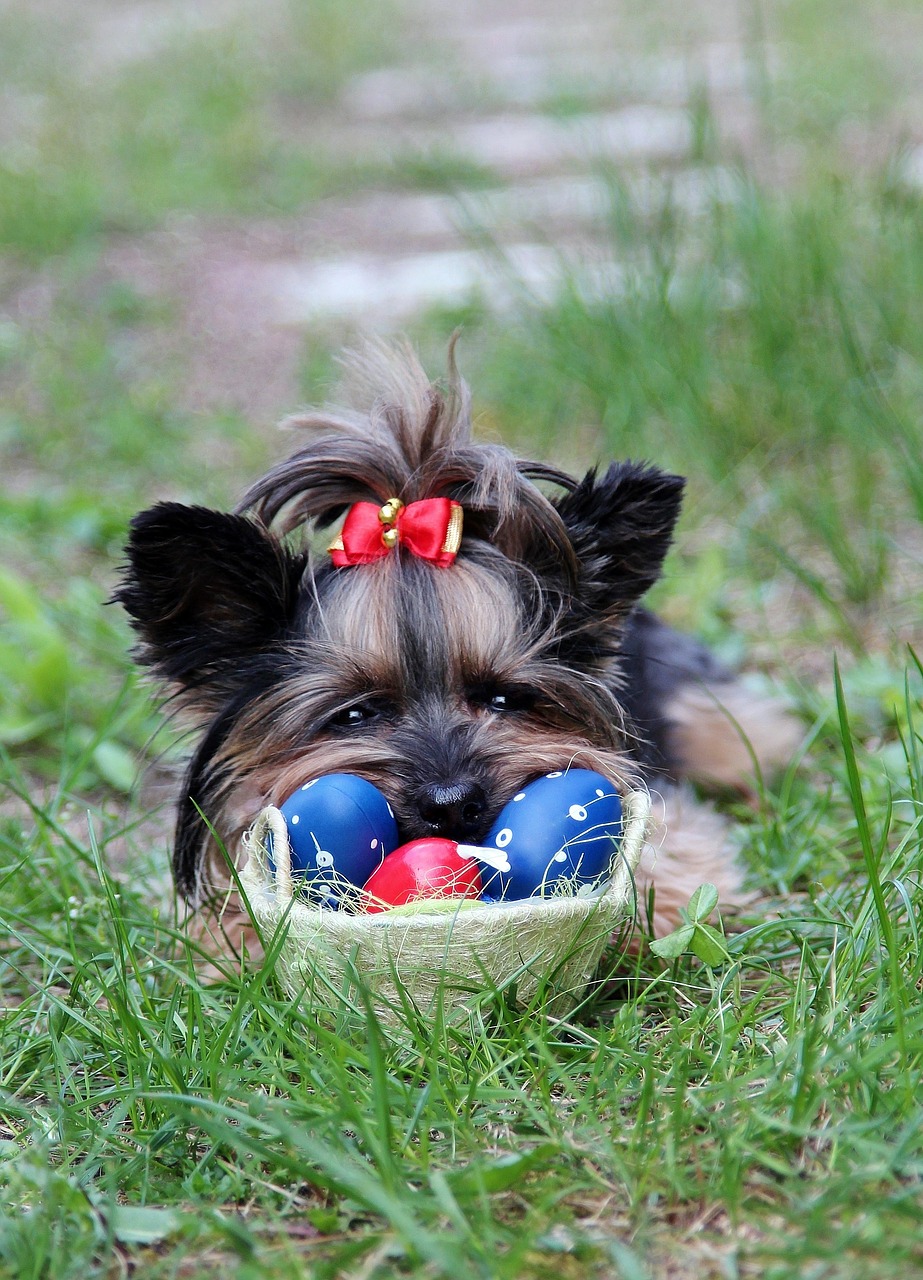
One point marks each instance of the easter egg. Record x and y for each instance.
(428, 868)
(557, 834)
(339, 827)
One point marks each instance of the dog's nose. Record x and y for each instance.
(454, 811)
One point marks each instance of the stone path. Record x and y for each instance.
(538, 105)
(535, 100)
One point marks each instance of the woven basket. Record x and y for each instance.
(439, 956)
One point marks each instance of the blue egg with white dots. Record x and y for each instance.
(340, 828)
(557, 835)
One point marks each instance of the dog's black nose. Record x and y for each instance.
(454, 811)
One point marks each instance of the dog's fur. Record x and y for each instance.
(447, 688)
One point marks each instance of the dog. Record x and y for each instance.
(448, 674)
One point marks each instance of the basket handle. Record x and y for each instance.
(271, 822)
(638, 812)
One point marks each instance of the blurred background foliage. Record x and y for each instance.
(764, 338)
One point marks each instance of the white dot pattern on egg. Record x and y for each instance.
(340, 827)
(560, 834)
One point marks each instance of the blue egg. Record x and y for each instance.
(559, 831)
(340, 828)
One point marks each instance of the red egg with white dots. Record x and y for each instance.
(422, 869)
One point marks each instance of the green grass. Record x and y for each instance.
(756, 1118)
(765, 1099)
(94, 434)
(212, 121)
(771, 351)
(759, 1117)
(849, 70)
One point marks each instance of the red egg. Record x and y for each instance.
(427, 868)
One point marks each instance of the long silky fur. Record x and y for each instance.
(413, 442)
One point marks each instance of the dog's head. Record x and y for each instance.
(448, 687)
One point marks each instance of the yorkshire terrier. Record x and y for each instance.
(475, 624)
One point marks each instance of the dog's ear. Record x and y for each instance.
(207, 593)
(620, 525)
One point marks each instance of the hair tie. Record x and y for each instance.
(430, 529)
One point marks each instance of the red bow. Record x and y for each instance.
(430, 529)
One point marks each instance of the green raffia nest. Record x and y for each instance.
(448, 950)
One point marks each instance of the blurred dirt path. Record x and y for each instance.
(526, 104)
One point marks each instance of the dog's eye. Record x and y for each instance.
(502, 701)
(362, 713)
